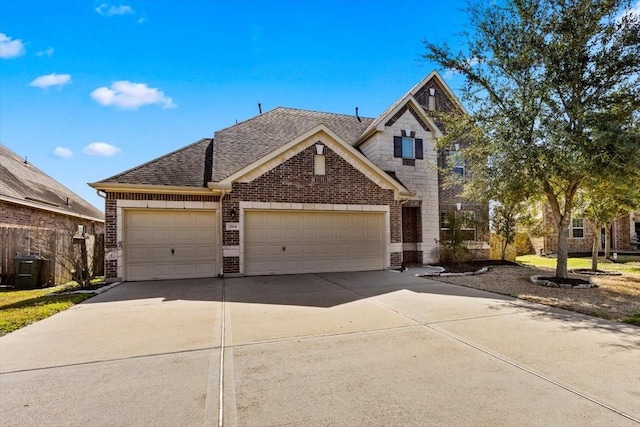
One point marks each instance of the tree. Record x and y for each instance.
(506, 217)
(541, 77)
(602, 201)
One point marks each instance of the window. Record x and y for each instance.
(468, 225)
(456, 161)
(444, 220)
(445, 232)
(407, 147)
(576, 230)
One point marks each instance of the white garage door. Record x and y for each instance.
(279, 242)
(166, 244)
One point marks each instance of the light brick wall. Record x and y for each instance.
(422, 179)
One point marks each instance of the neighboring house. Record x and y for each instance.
(32, 204)
(288, 191)
(624, 234)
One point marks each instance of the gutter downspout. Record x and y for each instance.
(221, 238)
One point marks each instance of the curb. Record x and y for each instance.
(443, 274)
(95, 291)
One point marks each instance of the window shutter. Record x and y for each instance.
(397, 146)
(419, 154)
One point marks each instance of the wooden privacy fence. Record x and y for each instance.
(54, 245)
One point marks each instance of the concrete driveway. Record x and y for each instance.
(375, 348)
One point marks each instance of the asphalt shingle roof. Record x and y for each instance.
(237, 146)
(242, 144)
(22, 182)
(189, 166)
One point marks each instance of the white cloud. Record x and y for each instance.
(111, 10)
(101, 149)
(126, 94)
(49, 80)
(63, 153)
(48, 52)
(10, 48)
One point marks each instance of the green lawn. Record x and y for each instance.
(624, 264)
(20, 308)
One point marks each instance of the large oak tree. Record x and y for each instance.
(541, 79)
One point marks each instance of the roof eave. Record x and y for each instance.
(150, 188)
(48, 208)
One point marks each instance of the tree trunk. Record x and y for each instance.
(607, 241)
(562, 218)
(563, 248)
(503, 249)
(596, 247)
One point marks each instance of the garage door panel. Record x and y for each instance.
(184, 235)
(314, 241)
(151, 235)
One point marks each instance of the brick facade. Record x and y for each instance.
(293, 181)
(111, 213)
(621, 234)
(15, 215)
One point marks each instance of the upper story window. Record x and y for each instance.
(576, 230)
(407, 146)
(408, 151)
(456, 161)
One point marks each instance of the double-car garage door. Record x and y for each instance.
(286, 242)
(174, 244)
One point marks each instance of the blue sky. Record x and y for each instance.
(91, 88)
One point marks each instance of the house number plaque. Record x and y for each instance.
(232, 226)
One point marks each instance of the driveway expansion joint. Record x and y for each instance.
(490, 353)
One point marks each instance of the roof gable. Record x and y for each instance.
(419, 96)
(326, 136)
(241, 145)
(23, 183)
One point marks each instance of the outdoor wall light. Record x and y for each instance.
(233, 213)
(457, 146)
(319, 148)
(458, 206)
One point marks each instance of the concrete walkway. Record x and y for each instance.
(328, 349)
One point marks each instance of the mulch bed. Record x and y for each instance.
(589, 272)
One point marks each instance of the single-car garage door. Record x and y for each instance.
(168, 244)
(282, 242)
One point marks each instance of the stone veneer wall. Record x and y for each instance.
(293, 181)
(421, 178)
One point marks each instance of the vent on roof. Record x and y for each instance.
(41, 201)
